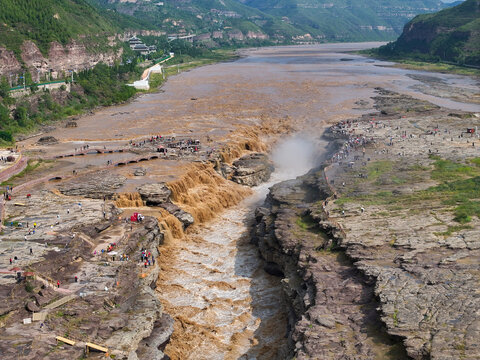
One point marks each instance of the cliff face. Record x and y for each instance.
(60, 58)
(449, 35)
(386, 259)
(8, 62)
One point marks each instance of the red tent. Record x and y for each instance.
(134, 217)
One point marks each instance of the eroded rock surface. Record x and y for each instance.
(108, 298)
(251, 169)
(47, 140)
(95, 185)
(378, 250)
(185, 218)
(154, 194)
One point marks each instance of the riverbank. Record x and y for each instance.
(413, 64)
(94, 90)
(371, 246)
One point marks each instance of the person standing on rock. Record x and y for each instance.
(58, 284)
(31, 251)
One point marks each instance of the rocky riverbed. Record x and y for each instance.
(378, 251)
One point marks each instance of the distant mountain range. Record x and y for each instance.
(277, 20)
(42, 35)
(451, 35)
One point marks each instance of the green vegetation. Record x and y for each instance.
(44, 21)
(344, 20)
(453, 229)
(377, 168)
(459, 189)
(283, 22)
(395, 317)
(29, 287)
(450, 35)
(105, 85)
(305, 222)
(32, 165)
(432, 66)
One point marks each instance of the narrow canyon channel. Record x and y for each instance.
(213, 283)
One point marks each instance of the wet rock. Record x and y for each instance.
(140, 172)
(252, 169)
(185, 218)
(273, 269)
(391, 103)
(154, 194)
(94, 185)
(47, 140)
(226, 170)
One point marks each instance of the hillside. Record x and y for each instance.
(45, 21)
(277, 20)
(225, 21)
(451, 35)
(347, 20)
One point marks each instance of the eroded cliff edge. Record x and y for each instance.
(379, 248)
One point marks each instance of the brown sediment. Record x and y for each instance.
(192, 334)
(125, 200)
(204, 194)
(243, 140)
(172, 227)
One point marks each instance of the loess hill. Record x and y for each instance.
(451, 35)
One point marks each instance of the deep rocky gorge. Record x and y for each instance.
(367, 272)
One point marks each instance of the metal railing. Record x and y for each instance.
(37, 84)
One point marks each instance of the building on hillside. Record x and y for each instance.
(133, 41)
(137, 45)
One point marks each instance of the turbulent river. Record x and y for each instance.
(216, 286)
(212, 281)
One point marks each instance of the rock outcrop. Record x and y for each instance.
(8, 62)
(154, 194)
(60, 59)
(47, 140)
(251, 169)
(158, 194)
(332, 306)
(113, 304)
(185, 218)
(95, 185)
